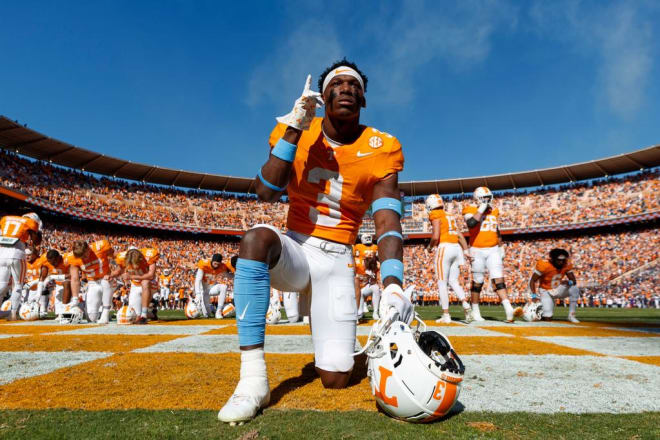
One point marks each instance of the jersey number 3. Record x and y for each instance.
(331, 199)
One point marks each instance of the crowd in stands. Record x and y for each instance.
(618, 267)
(121, 199)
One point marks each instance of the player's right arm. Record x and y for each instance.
(435, 236)
(74, 271)
(276, 172)
(199, 282)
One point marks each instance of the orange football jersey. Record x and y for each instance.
(33, 271)
(448, 227)
(97, 264)
(209, 272)
(13, 226)
(332, 188)
(550, 277)
(360, 252)
(484, 234)
(151, 255)
(61, 269)
(165, 280)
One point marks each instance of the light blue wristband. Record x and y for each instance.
(270, 185)
(284, 150)
(391, 268)
(390, 234)
(386, 203)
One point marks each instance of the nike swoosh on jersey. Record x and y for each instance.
(242, 315)
(359, 154)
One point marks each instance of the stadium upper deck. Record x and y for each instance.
(574, 205)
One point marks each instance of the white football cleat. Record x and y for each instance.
(572, 318)
(105, 317)
(218, 313)
(476, 317)
(446, 319)
(249, 397)
(468, 315)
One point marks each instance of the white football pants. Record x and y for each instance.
(99, 294)
(374, 291)
(219, 290)
(548, 298)
(486, 259)
(448, 260)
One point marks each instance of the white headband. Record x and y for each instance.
(342, 70)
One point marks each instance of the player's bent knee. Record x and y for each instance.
(333, 359)
(333, 379)
(260, 244)
(293, 318)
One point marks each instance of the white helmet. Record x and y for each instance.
(273, 315)
(228, 310)
(29, 311)
(166, 272)
(415, 376)
(71, 315)
(6, 306)
(532, 311)
(192, 311)
(482, 195)
(434, 201)
(126, 315)
(35, 217)
(366, 239)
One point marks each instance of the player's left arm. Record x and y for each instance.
(435, 237)
(388, 229)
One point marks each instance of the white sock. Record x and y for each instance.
(475, 308)
(507, 308)
(253, 364)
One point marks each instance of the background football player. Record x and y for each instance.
(366, 274)
(333, 168)
(449, 245)
(16, 234)
(549, 274)
(486, 250)
(207, 285)
(165, 282)
(139, 266)
(92, 260)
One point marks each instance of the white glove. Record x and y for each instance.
(393, 296)
(482, 208)
(304, 109)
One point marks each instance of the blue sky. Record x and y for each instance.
(470, 87)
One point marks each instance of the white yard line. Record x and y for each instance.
(614, 346)
(21, 364)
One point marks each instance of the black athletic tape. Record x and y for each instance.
(500, 286)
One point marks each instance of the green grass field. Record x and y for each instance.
(297, 424)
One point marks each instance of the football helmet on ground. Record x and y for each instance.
(483, 195)
(6, 306)
(415, 375)
(532, 311)
(228, 310)
(434, 201)
(71, 314)
(192, 310)
(29, 311)
(126, 315)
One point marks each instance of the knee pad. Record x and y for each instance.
(333, 358)
(476, 287)
(500, 286)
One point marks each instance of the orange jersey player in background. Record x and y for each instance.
(486, 250)
(165, 283)
(448, 255)
(332, 168)
(366, 275)
(16, 234)
(139, 266)
(549, 275)
(92, 261)
(55, 278)
(206, 283)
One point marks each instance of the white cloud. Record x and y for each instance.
(620, 35)
(280, 78)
